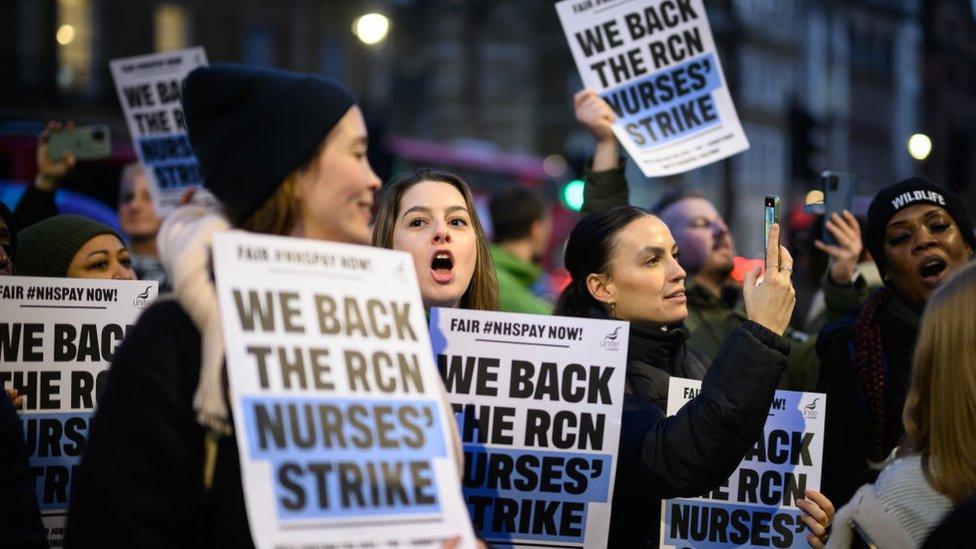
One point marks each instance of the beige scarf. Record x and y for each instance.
(184, 248)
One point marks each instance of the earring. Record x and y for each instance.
(613, 309)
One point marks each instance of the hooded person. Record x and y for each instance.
(918, 233)
(73, 246)
(285, 154)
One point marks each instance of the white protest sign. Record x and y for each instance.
(756, 507)
(57, 339)
(341, 426)
(149, 88)
(655, 63)
(538, 401)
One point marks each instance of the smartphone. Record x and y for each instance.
(770, 216)
(85, 142)
(838, 189)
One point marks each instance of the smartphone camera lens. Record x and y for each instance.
(98, 135)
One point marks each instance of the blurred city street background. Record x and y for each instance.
(882, 89)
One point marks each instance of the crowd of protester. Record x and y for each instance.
(896, 357)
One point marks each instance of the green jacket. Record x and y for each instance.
(711, 319)
(515, 280)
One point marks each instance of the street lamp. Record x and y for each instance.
(372, 28)
(65, 34)
(919, 146)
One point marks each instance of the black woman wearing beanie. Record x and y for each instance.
(918, 234)
(285, 154)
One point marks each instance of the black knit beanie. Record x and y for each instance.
(251, 127)
(47, 247)
(910, 192)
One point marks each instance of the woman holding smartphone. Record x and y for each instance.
(624, 265)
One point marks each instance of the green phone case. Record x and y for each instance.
(85, 142)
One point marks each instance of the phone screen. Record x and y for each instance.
(770, 216)
(838, 189)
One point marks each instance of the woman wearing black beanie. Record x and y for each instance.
(918, 234)
(284, 154)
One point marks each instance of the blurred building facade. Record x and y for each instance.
(498, 76)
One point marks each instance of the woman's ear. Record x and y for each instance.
(600, 287)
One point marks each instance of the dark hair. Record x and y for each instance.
(482, 292)
(588, 250)
(673, 196)
(513, 211)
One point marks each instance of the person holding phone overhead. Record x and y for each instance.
(624, 265)
(715, 306)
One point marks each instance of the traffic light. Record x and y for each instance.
(807, 145)
(572, 194)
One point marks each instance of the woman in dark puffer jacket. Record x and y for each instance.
(623, 263)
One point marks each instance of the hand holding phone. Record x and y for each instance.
(83, 142)
(838, 191)
(770, 216)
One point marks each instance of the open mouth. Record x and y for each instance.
(442, 267)
(932, 269)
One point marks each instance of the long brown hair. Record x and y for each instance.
(482, 292)
(940, 408)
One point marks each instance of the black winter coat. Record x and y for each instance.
(141, 482)
(697, 449)
(653, 356)
(20, 517)
(848, 425)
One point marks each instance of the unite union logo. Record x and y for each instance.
(141, 299)
(610, 342)
(810, 409)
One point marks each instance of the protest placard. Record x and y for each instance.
(538, 404)
(343, 432)
(149, 88)
(57, 339)
(655, 63)
(756, 507)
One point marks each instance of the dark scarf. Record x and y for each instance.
(870, 358)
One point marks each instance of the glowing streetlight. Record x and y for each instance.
(372, 28)
(919, 146)
(65, 34)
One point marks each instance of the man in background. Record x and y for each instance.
(522, 229)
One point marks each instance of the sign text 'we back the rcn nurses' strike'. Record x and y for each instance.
(150, 88)
(655, 63)
(57, 339)
(342, 429)
(756, 506)
(538, 402)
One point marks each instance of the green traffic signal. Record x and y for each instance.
(573, 194)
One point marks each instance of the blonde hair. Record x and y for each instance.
(940, 409)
